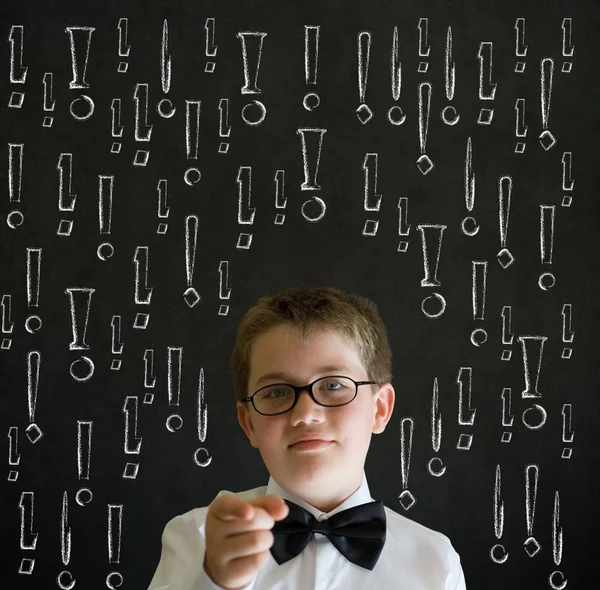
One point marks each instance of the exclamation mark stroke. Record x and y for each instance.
(520, 47)
(432, 233)
(567, 430)
(498, 553)
(66, 196)
(65, 580)
(133, 442)
(547, 139)
(143, 293)
(531, 545)
(372, 200)
(84, 455)
(469, 225)
(14, 457)
(115, 516)
(363, 112)
(142, 130)
(80, 300)
(165, 107)
(567, 48)
(7, 323)
(312, 142)
(34, 360)
(395, 114)
(556, 579)
(487, 89)
(105, 200)
(424, 48)
(507, 334)
(534, 417)
(192, 137)
(311, 63)
(202, 457)
(224, 126)
(18, 73)
(149, 376)
(568, 335)
(449, 114)
(403, 225)
(504, 256)
(245, 210)
(124, 47)
(80, 39)
(15, 173)
(252, 43)
(520, 127)
(211, 48)
(507, 415)
(116, 346)
(466, 414)
(547, 280)
(163, 208)
(479, 280)
(48, 103)
(424, 163)
(174, 361)
(280, 199)
(28, 539)
(224, 288)
(567, 178)
(436, 466)
(33, 323)
(406, 498)
(116, 127)
(191, 295)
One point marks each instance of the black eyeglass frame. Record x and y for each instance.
(299, 388)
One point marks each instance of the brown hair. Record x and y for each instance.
(308, 309)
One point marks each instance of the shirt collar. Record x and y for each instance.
(361, 496)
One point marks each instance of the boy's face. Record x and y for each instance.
(326, 477)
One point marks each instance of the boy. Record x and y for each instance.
(315, 525)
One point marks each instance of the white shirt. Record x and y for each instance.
(414, 557)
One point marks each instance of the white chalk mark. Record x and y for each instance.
(65, 531)
(532, 346)
(18, 73)
(224, 288)
(436, 419)
(133, 443)
(105, 199)
(123, 46)
(567, 180)
(507, 415)
(210, 48)
(165, 59)
(244, 181)
(142, 130)
(568, 434)
(485, 71)
(174, 362)
(546, 232)
(507, 334)
(424, 110)
(47, 81)
(479, 282)
(314, 137)
(431, 241)
(224, 126)
(280, 198)
(531, 545)
(424, 48)
(142, 294)
(504, 256)
(84, 448)
(249, 41)
(192, 128)
(395, 67)
(568, 334)
(78, 297)
(520, 47)
(116, 127)
(6, 306)
(34, 360)
(78, 36)
(311, 53)
(520, 127)
(66, 197)
(372, 200)
(202, 411)
(15, 159)
(115, 516)
(498, 505)
(364, 56)
(149, 376)
(34, 263)
(567, 48)
(403, 225)
(14, 457)
(449, 67)
(557, 531)
(407, 500)
(28, 539)
(466, 414)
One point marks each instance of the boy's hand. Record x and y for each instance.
(238, 537)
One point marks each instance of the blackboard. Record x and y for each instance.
(165, 164)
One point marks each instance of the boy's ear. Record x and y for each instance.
(245, 421)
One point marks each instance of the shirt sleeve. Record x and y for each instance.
(181, 565)
(460, 577)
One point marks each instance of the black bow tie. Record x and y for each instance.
(358, 533)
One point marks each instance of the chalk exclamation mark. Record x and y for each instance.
(556, 579)
(498, 553)
(84, 456)
(507, 333)
(395, 114)
(567, 47)
(174, 360)
(65, 580)
(507, 415)
(449, 114)
(211, 47)
(469, 225)
(531, 545)
(14, 457)
(280, 199)
(192, 138)
(202, 457)
(34, 360)
(165, 107)
(520, 47)
(403, 225)
(479, 281)
(406, 498)
(142, 293)
(33, 323)
(6, 322)
(124, 47)
(424, 48)
(487, 89)
(424, 163)
(533, 417)
(163, 208)
(116, 342)
(105, 199)
(15, 173)
(547, 280)
(142, 130)
(466, 414)
(149, 376)
(80, 39)
(28, 539)
(568, 335)
(49, 102)
(115, 515)
(567, 430)
(224, 126)
(224, 288)
(547, 139)
(436, 466)
(567, 178)
(116, 127)
(133, 442)
(191, 295)
(363, 112)
(504, 256)
(432, 234)
(372, 200)
(245, 210)
(520, 127)
(66, 197)
(18, 73)
(312, 142)
(252, 43)
(311, 62)
(80, 302)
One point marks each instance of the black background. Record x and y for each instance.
(331, 252)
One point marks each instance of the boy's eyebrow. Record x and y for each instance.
(288, 376)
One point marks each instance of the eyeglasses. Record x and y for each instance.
(278, 398)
